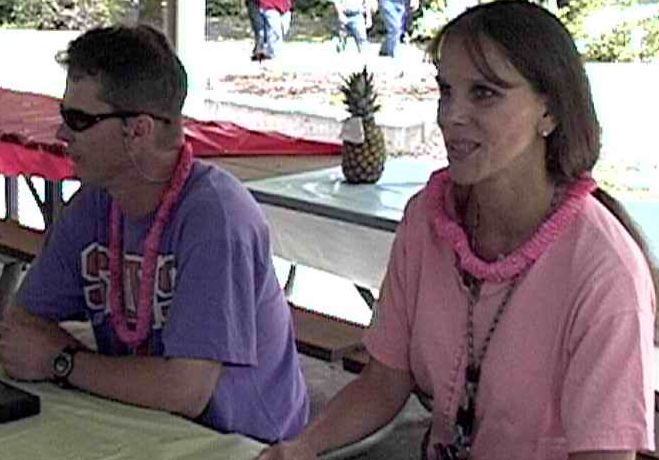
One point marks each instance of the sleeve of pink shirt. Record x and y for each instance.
(388, 337)
(607, 402)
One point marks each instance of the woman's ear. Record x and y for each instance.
(546, 125)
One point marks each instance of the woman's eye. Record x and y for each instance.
(483, 92)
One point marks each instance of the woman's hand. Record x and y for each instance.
(294, 450)
(360, 408)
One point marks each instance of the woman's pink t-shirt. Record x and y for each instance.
(570, 365)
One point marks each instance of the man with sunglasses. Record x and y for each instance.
(168, 258)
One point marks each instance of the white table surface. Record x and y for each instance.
(320, 221)
(74, 425)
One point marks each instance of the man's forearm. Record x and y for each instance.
(182, 386)
(29, 344)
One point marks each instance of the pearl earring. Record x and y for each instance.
(544, 133)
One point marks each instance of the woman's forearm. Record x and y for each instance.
(366, 404)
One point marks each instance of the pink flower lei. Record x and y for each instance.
(135, 336)
(439, 187)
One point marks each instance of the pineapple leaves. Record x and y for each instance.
(359, 94)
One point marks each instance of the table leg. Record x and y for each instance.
(367, 295)
(290, 280)
(11, 197)
(11, 272)
(53, 201)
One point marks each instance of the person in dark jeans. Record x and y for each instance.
(270, 21)
(256, 23)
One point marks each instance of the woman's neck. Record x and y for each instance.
(502, 213)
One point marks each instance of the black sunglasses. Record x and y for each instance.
(78, 120)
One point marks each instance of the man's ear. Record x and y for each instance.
(138, 127)
(144, 126)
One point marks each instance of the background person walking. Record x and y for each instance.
(270, 21)
(393, 14)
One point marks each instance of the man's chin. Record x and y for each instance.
(80, 173)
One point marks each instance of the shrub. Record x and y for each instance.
(7, 11)
(216, 8)
(650, 46)
(595, 25)
(66, 14)
(313, 7)
(426, 21)
(626, 41)
(613, 46)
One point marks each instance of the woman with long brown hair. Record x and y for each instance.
(518, 294)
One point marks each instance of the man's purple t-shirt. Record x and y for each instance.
(216, 297)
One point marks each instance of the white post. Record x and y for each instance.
(190, 23)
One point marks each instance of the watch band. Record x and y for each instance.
(63, 364)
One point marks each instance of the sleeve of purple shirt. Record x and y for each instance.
(222, 256)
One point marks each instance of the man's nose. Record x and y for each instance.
(63, 133)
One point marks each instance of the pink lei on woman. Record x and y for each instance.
(572, 197)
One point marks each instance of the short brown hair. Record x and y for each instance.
(137, 68)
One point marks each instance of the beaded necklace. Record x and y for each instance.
(464, 430)
(465, 422)
(134, 335)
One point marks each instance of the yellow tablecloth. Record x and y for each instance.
(77, 426)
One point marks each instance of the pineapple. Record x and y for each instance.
(363, 162)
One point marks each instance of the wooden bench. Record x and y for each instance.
(647, 456)
(18, 247)
(324, 337)
(19, 243)
(355, 361)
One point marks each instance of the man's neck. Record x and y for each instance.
(138, 196)
(139, 200)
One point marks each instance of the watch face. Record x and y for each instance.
(62, 364)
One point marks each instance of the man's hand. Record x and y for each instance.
(295, 450)
(28, 344)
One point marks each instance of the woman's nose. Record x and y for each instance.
(452, 111)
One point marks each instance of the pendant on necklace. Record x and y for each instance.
(465, 421)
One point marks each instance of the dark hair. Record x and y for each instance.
(137, 68)
(541, 49)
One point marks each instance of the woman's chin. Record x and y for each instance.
(461, 175)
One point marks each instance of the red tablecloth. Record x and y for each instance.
(28, 123)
